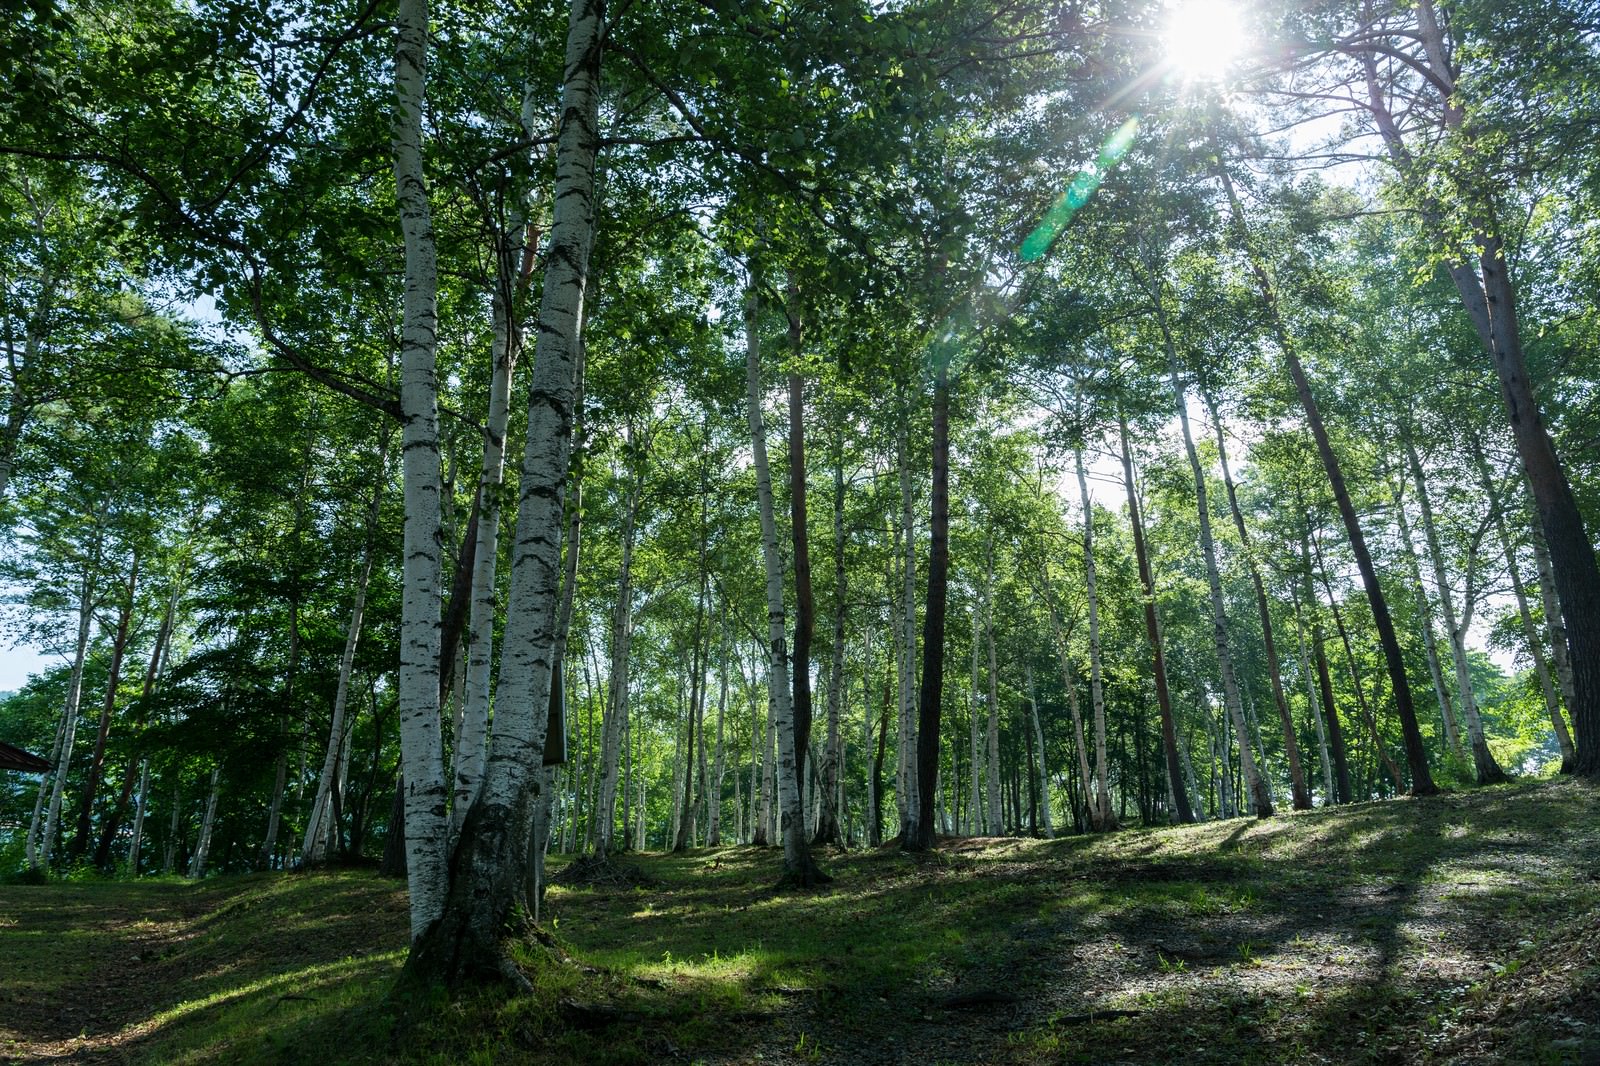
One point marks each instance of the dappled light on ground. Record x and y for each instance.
(1460, 928)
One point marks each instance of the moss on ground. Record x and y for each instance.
(1463, 928)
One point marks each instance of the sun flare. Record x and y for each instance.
(1202, 38)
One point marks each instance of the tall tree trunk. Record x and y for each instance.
(202, 847)
(975, 746)
(1044, 770)
(421, 746)
(97, 762)
(1541, 668)
(1362, 704)
(140, 803)
(1341, 766)
(828, 815)
(804, 602)
(931, 695)
(1329, 796)
(39, 849)
(321, 805)
(1489, 297)
(488, 865)
(1152, 629)
(1254, 782)
(992, 734)
(798, 867)
(697, 671)
(269, 843)
(1488, 771)
(1555, 628)
(152, 675)
(1416, 754)
(1291, 745)
(906, 784)
(1104, 819)
(1429, 641)
(1063, 655)
(616, 709)
(714, 797)
(467, 777)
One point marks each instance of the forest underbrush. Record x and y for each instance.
(1462, 928)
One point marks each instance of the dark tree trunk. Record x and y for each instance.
(91, 786)
(932, 690)
(1341, 765)
(875, 813)
(1416, 754)
(805, 610)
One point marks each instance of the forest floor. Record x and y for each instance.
(1463, 928)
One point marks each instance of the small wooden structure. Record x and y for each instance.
(16, 759)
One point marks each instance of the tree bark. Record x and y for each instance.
(202, 847)
(1301, 795)
(1429, 641)
(828, 829)
(616, 709)
(1254, 782)
(421, 746)
(1416, 754)
(97, 762)
(920, 836)
(907, 786)
(1488, 771)
(1152, 629)
(992, 734)
(1104, 819)
(39, 851)
(1489, 297)
(1306, 669)
(798, 868)
(488, 868)
(141, 802)
(1541, 667)
(317, 822)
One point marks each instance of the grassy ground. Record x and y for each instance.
(1459, 929)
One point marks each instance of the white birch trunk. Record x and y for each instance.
(974, 819)
(1429, 641)
(140, 803)
(1541, 668)
(202, 847)
(714, 793)
(63, 761)
(1483, 760)
(317, 823)
(1329, 796)
(470, 740)
(1104, 818)
(421, 746)
(36, 824)
(169, 859)
(1044, 773)
(1065, 658)
(996, 820)
(792, 821)
(1554, 625)
(617, 704)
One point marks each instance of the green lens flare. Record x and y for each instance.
(1079, 191)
